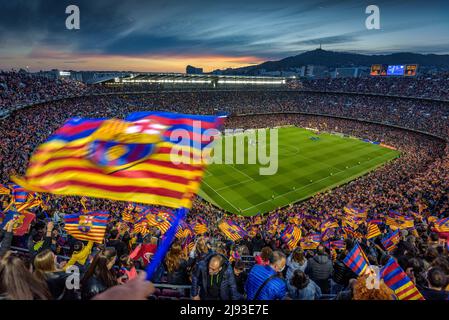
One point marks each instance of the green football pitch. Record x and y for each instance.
(305, 167)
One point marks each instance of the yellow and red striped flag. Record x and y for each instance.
(135, 159)
(373, 231)
(90, 226)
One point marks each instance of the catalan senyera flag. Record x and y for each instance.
(373, 231)
(398, 281)
(232, 230)
(89, 226)
(291, 236)
(356, 260)
(150, 157)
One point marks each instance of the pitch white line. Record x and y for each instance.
(281, 195)
(220, 195)
(233, 185)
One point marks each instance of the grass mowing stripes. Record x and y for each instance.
(305, 167)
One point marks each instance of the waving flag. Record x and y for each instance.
(90, 226)
(391, 240)
(398, 281)
(328, 224)
(200, 226)
(232, 230)
(159, 218)
(19, 194)
(4, 189)
(311, 241)
(291, 236)
(373, 231)
(22, 221)
(183, 231)
(442, 225)
(356, 260)
(130, 160)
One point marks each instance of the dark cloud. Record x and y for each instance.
(259, 28)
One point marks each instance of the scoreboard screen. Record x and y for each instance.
(395, 70)
(410, 70)
(379, 70)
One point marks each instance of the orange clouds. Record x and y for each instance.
(41, 59)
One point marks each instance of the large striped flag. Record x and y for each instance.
(291, 236)
(150, 157)
(356, 260)
(90, 226)
(232, 230)
(373, 231)
(390, 241)
(398, 281)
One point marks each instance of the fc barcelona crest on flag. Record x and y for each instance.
(85, 223)
(123, 144)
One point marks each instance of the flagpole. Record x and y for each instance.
(162, 250)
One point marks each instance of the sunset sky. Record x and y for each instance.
(167, 35)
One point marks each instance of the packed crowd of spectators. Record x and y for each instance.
(415, 182)
(22, 88)
(424, 86)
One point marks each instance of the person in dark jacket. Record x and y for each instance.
(240, 276)
(45, 269)
(341, 275)
(257, 243)
(300, 287)
(176, 265)
(319, 269)
(99, 276)
(437, 283)
(214, 279)
(37, 242)
(120, 247)
(7, 234)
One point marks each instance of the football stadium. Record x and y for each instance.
(320, 174)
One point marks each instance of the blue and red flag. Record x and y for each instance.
(356, 260)
(398, 281)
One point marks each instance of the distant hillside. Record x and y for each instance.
(334, 59)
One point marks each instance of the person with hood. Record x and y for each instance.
(295, 261)
(319, 269)
(300, 287)
(214, 279)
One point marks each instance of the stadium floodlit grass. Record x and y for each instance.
(306, 167)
